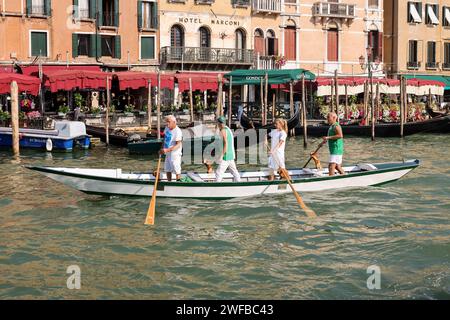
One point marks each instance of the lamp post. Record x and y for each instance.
(371, 65)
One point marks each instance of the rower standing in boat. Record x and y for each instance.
(335, 141)
(278, 137)
(172, 148)
(227, 159)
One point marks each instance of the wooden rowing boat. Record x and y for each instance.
(203, 186)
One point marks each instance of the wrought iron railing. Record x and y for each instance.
(206, 55)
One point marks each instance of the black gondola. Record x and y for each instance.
(115, 138)
(435, 125)
(247, 123)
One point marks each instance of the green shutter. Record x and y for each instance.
(92, 9)
(74, 45)
(147, 47)
(92, 46)
(100, 13)
(139, 14)
(116, 13)
(39, 44)
(76, 10)
(155, 19)
(48, 7)
(118, 48)
(29, 7)
(98, 46)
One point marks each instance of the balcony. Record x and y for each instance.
(266, 6)
(265, 63)
(197, 58)
(334, 10)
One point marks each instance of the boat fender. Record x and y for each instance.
(134, 138)
(367, 167)
(49, 145)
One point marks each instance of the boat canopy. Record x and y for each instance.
(243, 77)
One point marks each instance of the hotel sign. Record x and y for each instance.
(224, 22)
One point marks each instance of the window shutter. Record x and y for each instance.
(92, 46)
(419, 9)
(98, 45)
(100, 13)
(48, 7)
(118, 48)
(139, 14)
(92, 9)
(436, 7)
(380, 46)
(76, 10)
(29, 7)
(74, 45)
(275, 46)
(116, 13)
(155, 20)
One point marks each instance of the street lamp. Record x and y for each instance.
(371, 65)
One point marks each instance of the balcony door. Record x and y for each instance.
(290, 46)
(205, 43)
(176, 42)
(240, 44)
(333, 45)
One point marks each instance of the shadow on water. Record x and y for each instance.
(261, 247)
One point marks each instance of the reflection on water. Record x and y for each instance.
(259, 248)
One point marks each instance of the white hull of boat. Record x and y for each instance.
(114, 182)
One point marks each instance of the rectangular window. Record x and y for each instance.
(38, 7)
(446, 16)
(290, 47)
(147, 48)
(446, 64)
(109, 13)
(432, 14)
(414, 12)
(149, 15)
(413, 62)
(108, 46)
(373, 4)
(431, 55)
(39, 44)
(333, 45)
(84, 44)
(83, 9)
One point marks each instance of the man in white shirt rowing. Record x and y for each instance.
(172, 148)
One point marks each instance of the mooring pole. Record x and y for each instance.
(15, 117)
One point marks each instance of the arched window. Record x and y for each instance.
(271, 43)
(177, 36)
(240, 39)
(290, 42)
(205, 37)
(333, 43)
(259, 45)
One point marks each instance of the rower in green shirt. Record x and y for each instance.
(335, 141)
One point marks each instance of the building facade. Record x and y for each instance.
(417, 39)
(109, 33)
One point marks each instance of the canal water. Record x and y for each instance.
(258, 248)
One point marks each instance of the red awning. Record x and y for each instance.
(136, 80)
(200, 81)
(25, 83)
(34, 69)
(7, 69)
(70, 79)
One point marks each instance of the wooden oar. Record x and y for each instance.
(150, 220)
(311, 157)
(285, 173)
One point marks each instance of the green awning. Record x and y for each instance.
(241, 77)
(444, 79)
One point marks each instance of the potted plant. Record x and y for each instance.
(5, 118)
(22, 119)
(198, 105)
(128, 111)
(63, 110)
